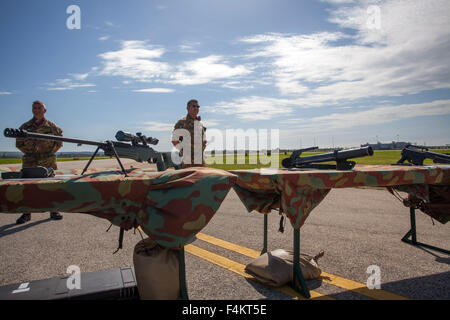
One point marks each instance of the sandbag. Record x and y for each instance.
(276, 268)
(157, 271)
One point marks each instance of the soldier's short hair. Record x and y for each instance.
(39, 103)
(191, 101)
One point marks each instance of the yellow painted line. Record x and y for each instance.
(329, 278)
(228, 245)
(239, 268)
(360, 288)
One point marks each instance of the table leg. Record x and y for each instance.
(413, 234)
(183, 287)
(264, 250)
(299, 281)
(412, 217)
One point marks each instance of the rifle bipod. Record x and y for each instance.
(111, 145)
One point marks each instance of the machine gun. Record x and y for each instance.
(341, 158)
(415, 155)
(138, 150)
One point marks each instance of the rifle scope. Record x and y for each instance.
(138, 138)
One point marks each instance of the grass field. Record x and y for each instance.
(243, 162)
(379, 157)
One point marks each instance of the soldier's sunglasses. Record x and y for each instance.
(195, 106)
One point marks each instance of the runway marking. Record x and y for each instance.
(329, 278)
(238, 268)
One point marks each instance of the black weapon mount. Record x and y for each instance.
(311, 162)
(415, 155)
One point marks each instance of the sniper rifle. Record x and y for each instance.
(139, 149)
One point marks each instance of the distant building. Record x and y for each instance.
(387, 146)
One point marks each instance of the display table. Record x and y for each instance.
(171, 207)
(296, 193)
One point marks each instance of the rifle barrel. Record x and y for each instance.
(337, 155)
(14, 133)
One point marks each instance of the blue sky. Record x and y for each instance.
(334, 72)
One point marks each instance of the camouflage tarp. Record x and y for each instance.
(170, 206)
(299, 192)
(434, 200)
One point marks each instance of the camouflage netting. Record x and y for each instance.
(297, 193)
(170, 206)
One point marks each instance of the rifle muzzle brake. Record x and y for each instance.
(14, 133)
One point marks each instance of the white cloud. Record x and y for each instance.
(253, 108)
(189, 47)
(81, 85)
(67, 84)
(407, 55)
(237, 85)
(338, 1)
(210, 123)
(58, 89)
(79, 76)
(5, 92)
(61, 81)
(135, 60)
(141, 61)
(104, 38)
(155, 90)
(375, 116)
(158, 126)
(207, 69)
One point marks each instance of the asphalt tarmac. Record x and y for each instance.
(356, 228)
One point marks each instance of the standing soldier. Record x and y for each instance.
(39, 152)
(194, 157)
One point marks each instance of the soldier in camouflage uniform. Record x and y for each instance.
(196, 130)
(39, 152)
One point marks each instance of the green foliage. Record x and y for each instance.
(10, 161)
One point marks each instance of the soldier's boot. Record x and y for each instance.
(55, 216)
(24, 218)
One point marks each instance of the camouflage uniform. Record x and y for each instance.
(39, 152)
(188, 124)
